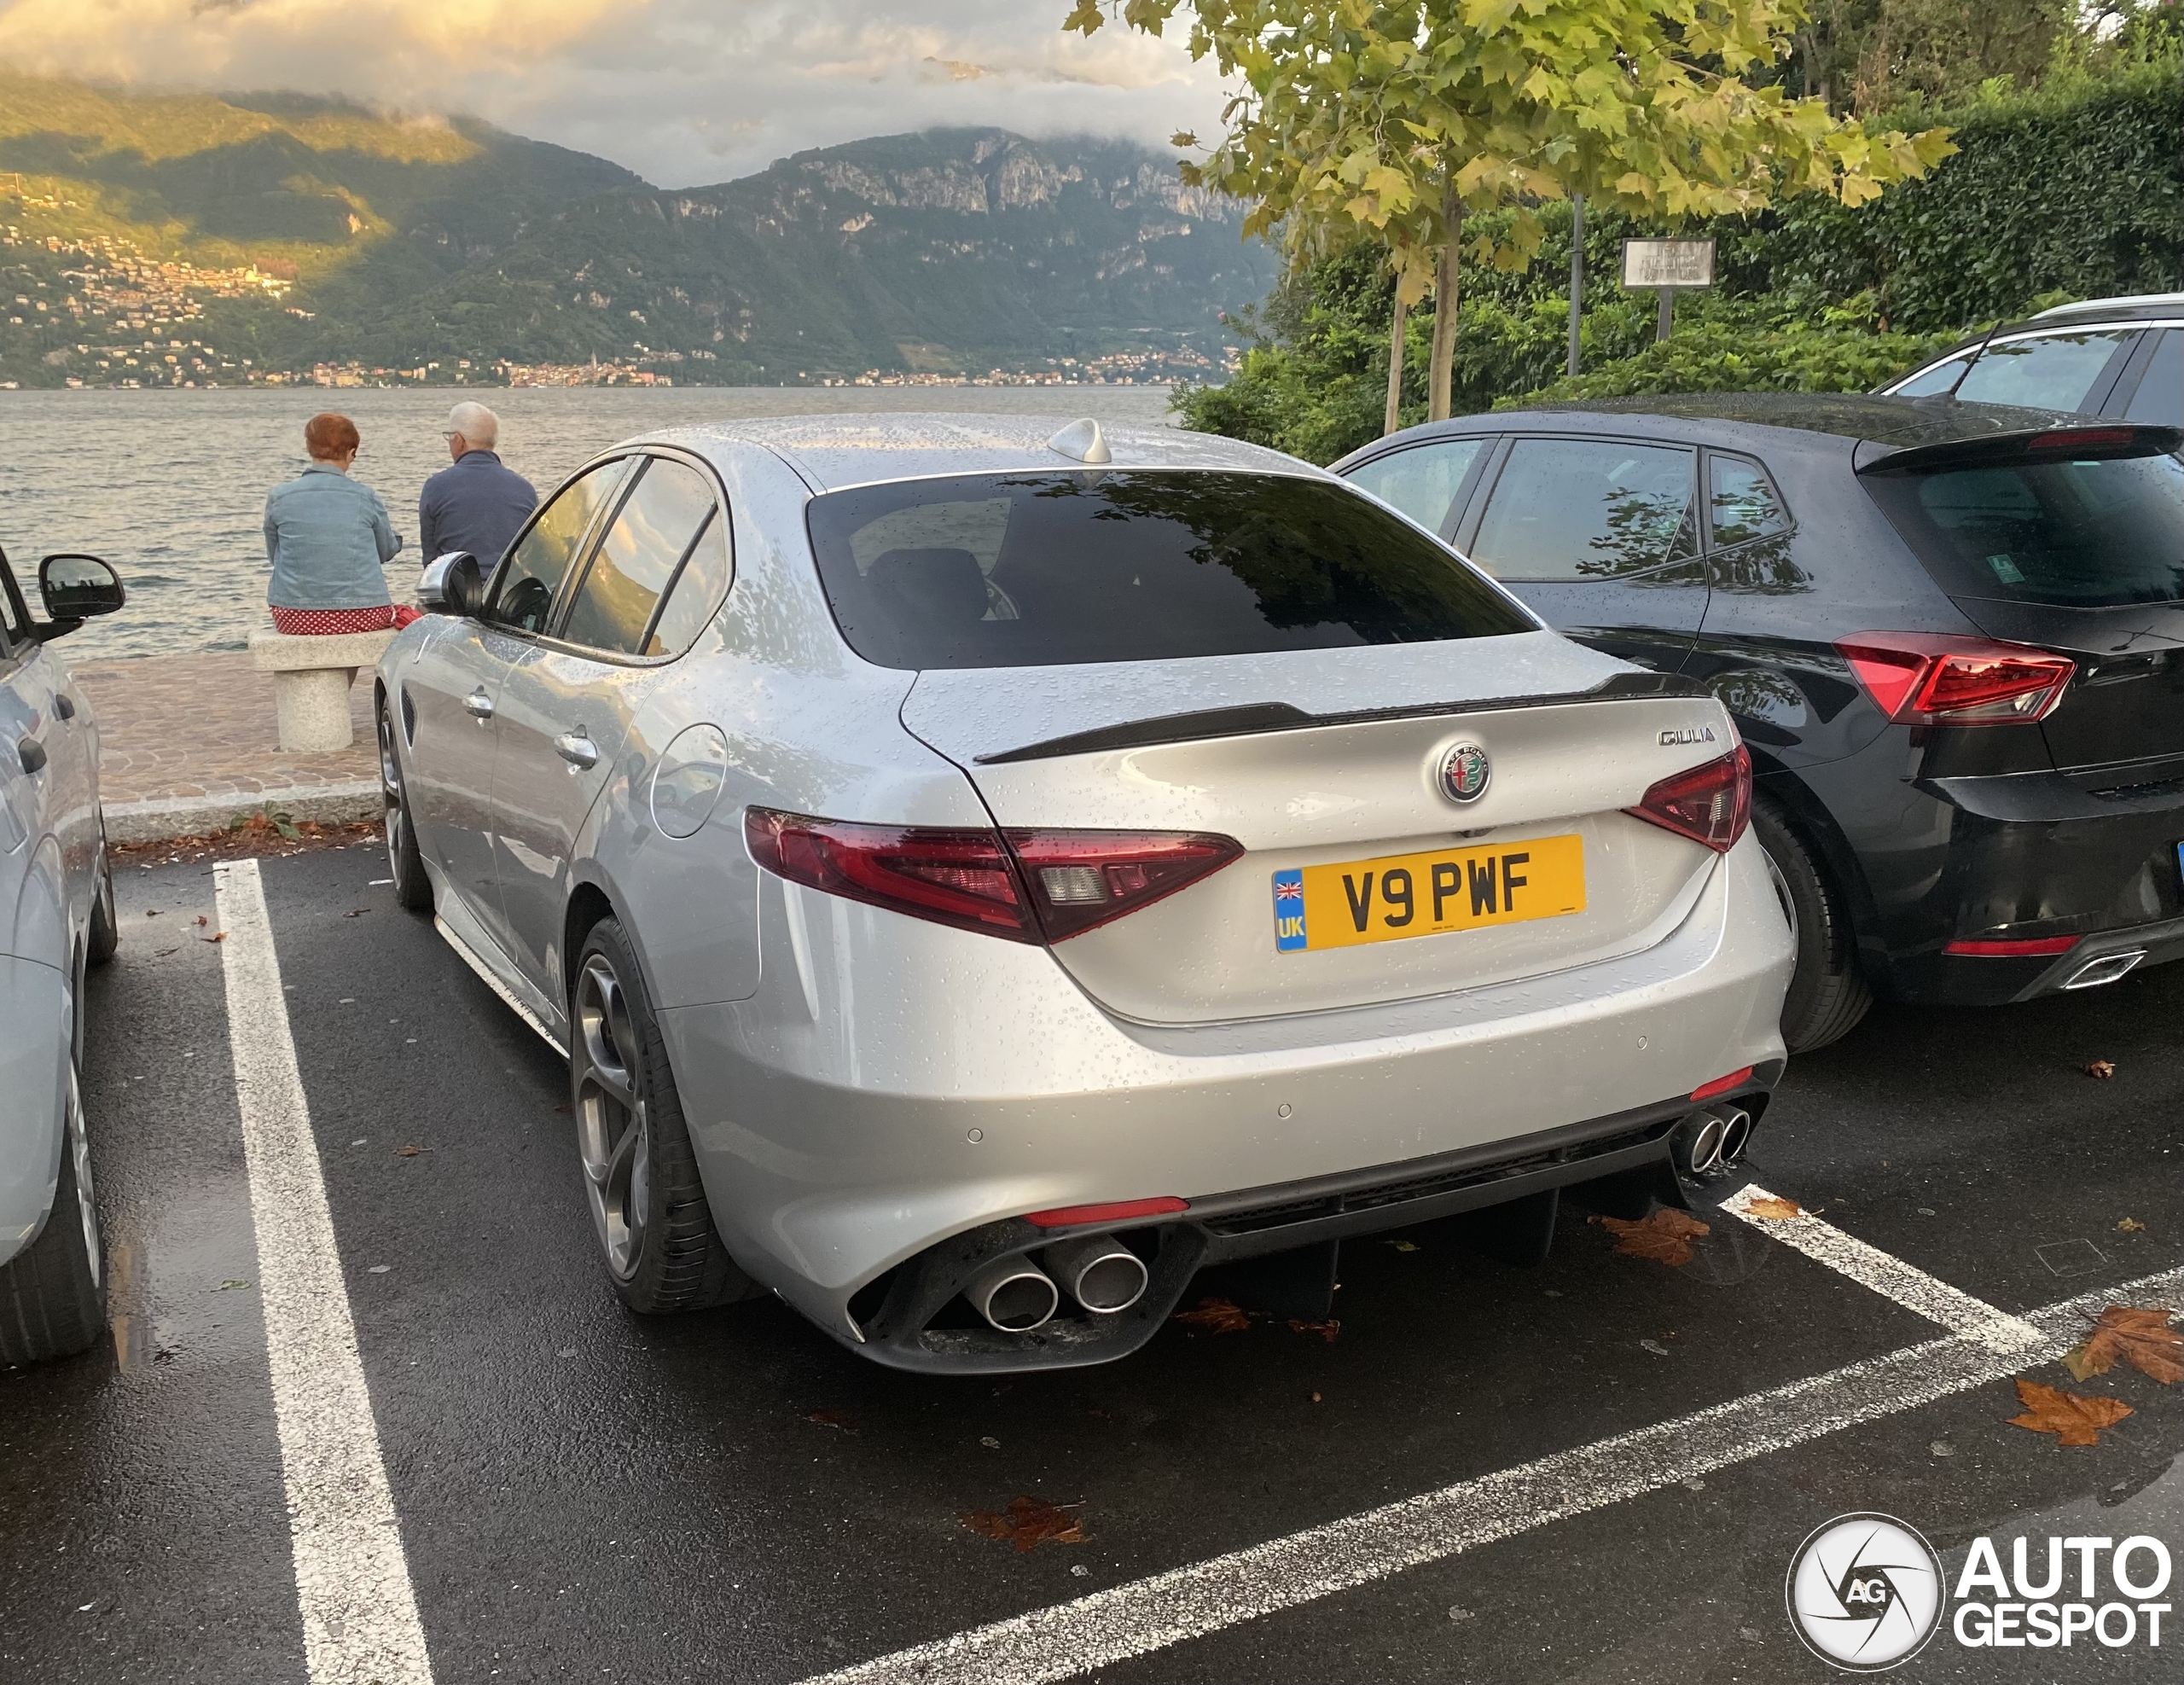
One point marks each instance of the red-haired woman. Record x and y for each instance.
(328, 537)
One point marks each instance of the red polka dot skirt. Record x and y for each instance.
(334, 622)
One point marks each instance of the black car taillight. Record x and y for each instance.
(1710, 804)
(1932, 678)
(1033, 886)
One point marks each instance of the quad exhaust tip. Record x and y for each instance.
(1713, 1140)
(1015, 1295)
(1099, 1272)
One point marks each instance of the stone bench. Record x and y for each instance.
(311, 677)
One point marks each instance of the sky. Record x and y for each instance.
(685, 92)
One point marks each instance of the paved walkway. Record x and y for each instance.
(190, 743)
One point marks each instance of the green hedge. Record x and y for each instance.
(2075, 191)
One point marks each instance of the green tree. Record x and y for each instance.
(1388, 123)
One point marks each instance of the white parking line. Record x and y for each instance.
(1151, 1614)
(352, 1581)
(1886, 1275)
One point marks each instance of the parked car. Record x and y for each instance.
(56, 919)
(981, 880)
(1950, 633)
(2120, 357)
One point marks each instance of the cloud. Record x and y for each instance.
(684, 91)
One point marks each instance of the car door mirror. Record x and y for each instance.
(432, 584)
(461, 586)
(77, 587)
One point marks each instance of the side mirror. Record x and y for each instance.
(77, 587)
(452, 584)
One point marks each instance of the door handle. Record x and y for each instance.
(32, 754)
(578, 750)
(62, 705)
(478, 705)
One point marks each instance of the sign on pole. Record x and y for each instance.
(1668, 262)
(1666, 266)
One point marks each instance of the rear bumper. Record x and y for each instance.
(2016, 856)
(893, 1085)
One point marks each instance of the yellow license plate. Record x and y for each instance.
(1442, 890)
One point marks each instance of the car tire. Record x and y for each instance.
(1828, 993)
(649, 1208)
(412, 888)
(105, 934)
(52, 1292)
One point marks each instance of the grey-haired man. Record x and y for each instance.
(477, 505)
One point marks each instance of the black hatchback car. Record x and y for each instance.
(1952, 635)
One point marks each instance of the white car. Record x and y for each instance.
(983, 878)
(56, 918)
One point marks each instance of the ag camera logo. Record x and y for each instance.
(1865, 1592)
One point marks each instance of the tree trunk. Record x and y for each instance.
(1445, 298)
(1395, 363)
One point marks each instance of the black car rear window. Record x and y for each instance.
(1038, 569)
(2077, 534)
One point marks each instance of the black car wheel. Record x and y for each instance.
(105, 934)
(412, 888)
(1828, 993)
(648, 1207)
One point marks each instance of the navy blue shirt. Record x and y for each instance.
(473, 504)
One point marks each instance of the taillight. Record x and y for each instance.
(1932, 678)
(1038, 886)
(1081, 879)
(1710, 804)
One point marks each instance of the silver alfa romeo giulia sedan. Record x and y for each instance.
(982, 876)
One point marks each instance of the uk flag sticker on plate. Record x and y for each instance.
(1288, 911)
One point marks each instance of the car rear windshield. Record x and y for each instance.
(1038, 569)
(2079, 535)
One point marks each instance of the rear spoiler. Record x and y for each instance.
(1255, 718)
(2094, 441)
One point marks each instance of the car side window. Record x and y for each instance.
(696, 595)
(2055, 371)
(1741, 502)
(1422, 481)
(659, 525)
(2159, 400)
(1586, 508)
(523, 596)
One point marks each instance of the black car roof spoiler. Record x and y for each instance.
(2093, 441)
(1259, 717)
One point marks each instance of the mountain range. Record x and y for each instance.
(166, 239)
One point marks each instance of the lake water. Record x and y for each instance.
(170, 486)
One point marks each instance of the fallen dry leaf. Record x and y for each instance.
(2101, 1069)
(2071, 1417)
(1665, 1236)
(161, 953)
(409, 1151)
(357, 914)
(1326, 1330)
(202, 919)
(2142, 1338)
(1775, 1208)
(2131, 1225)
(1216, 1316)
(1027, 1523)
(216, 936)
(832, 1417)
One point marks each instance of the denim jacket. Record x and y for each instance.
(326, 536)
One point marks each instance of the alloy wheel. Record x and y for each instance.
(390, 781)
(612, 1136)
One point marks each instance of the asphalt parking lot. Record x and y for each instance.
(1616, 1457)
